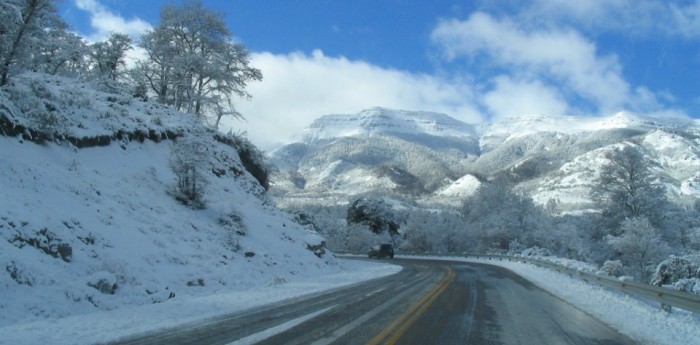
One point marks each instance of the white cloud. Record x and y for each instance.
(104, 21)
(561, 57)
(516, 97)
(632, 17)
(685, 20)
(298, 88)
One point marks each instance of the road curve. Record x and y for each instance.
(428, 302)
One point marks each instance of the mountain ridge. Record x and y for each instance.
(379, 120)
(530, 150)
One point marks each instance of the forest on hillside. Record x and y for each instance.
(637, 231)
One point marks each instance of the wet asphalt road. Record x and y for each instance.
(428, 302)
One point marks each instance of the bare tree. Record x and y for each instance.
(194, 63)
(639, 246)
(627, 188)
(498, 215)
(188, 160)
(63, 54)
(108, 57)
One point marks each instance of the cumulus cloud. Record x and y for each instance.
(104, 21)
(543, 58)
(298, 88)
(511, 98)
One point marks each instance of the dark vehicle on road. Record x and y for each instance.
(381, 251)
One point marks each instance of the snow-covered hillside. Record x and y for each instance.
(530, 124)
(378, 120)
(376, 149)
(440, 158)
(99, 227)
(463, 187)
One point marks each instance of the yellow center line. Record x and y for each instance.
(396, 330)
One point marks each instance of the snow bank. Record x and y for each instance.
(639, 320)
(104, 327)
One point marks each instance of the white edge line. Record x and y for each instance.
(270, 332)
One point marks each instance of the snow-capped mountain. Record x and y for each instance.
(381, 121)
(377, 149)
(428, 155)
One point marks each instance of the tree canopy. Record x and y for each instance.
(194, 62)
(24, 30)
(375, 214)
(627, 188)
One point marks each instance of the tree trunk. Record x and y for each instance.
(32, 8)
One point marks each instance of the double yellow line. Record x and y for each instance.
(396, 330)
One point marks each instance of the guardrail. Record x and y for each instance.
(666, 297)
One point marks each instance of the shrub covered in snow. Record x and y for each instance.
(691, 285)
(103, 282)
(536, 251)
(613, 268)
(189, 161)
(681, 272)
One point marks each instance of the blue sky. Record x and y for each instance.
(474, 60)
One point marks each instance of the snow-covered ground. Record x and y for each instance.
(130, 242)
(92, 238)
(103, 327)
(640, 320)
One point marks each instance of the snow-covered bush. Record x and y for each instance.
(536, 251)
(613, 268)
(41, 104)
(640, 245)
(104, 282)
(691, 285)
(356, 239)
(682, 272)
(418, 239)
(235, 228)
(189, 161)
(252, 158)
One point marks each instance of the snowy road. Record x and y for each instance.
(428, 302)
(491, 305)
